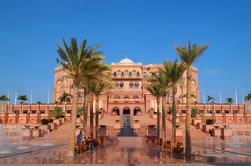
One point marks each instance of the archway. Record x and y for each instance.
(115, 111)
(137, 111)
(126, 111)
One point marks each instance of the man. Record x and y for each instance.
(79, 137)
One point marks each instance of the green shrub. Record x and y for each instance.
(194, 112)
(44, 121)
(58, 112)
(80, 111)
(210, 121)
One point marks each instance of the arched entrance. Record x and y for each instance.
(126, 111)
(115, 111)
(137, 111)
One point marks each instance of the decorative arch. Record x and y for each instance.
(115, 111)
(126, 110)
(137, 111)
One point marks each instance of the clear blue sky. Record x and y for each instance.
(142, 30)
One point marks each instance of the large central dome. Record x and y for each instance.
(126, 60)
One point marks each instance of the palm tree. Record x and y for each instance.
(65, 98)
(92, 64)
(210, 98)
(22, 98)
(73, 58)
(4, 98)
(229, 100)
(188, 54)
(248, 97)
(174, 72)
(158, 89)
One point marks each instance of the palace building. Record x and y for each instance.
(130, 93)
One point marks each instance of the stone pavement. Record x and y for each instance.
(123, 150)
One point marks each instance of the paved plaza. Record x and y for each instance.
(118, 151)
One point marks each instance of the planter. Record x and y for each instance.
(57, 121)
(217, 132)
(27, 133)
(207, 127)
(45, 128)
(36, 132)
(179, 135)
(195, 121)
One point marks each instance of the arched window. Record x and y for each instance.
(131, 84)
(115, 111)
(122, 74)
(114, 74)
(121, 84)
(137, 111)
(126, 97)
(137, 75)
(130, 74)
(117, 97)
(136, 85)
(144, 74)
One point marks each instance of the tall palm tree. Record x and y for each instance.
(73, 58)
(90, 67)
(65, 98)
(158, 89)
(22, 98)
(4, 98)
(174, 72)
(229, 100)
(188, 54)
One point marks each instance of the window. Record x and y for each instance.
(218, 111)
(114, 74)
(137, 75)
(33, 111)
(235, 111)
(136, 85)
(130, 74)
(144, 74)
(226, 111)
(122, 74)
(131, 85)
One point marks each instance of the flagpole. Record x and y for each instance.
(220, 98)
(31, 98)
(15, 102)
(236, 99)
(48, 99)
(8, 97)
(203, 96)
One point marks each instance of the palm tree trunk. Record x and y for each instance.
(97, 116)
(85, 113)
(188, 114)
(158, 117)
(174, 91)
(73, 121)
(91, 116)
(163, 120)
